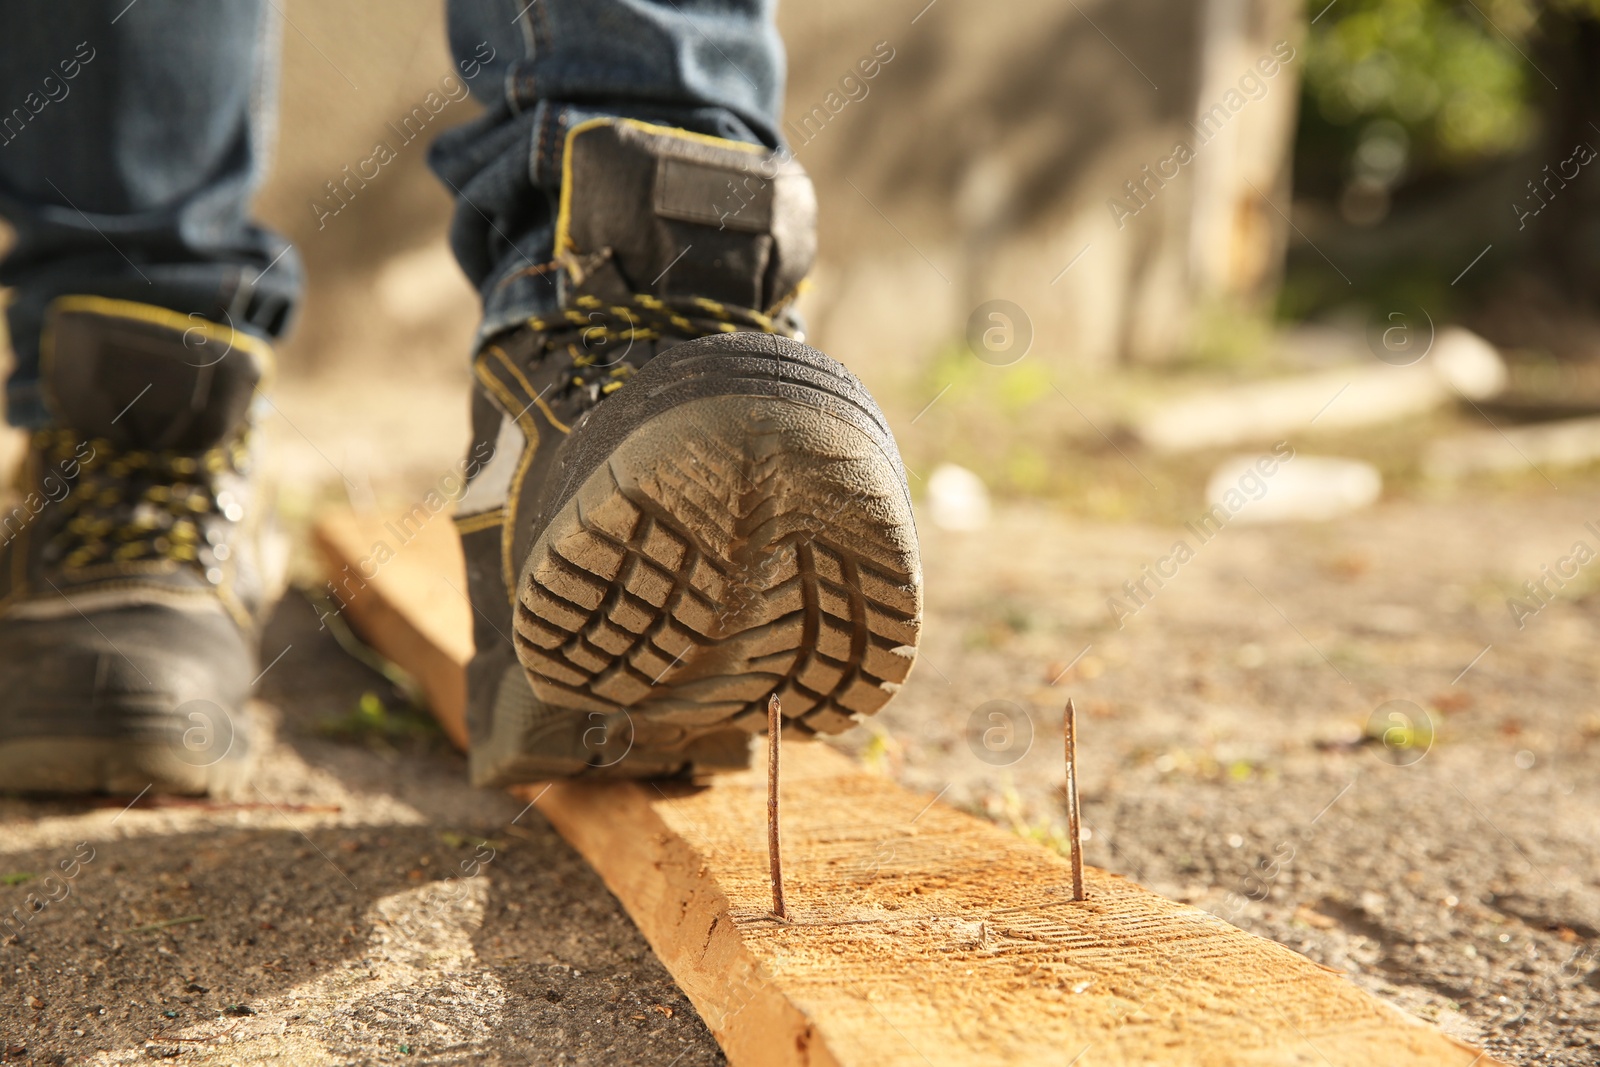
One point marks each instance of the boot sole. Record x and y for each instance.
(731, 547)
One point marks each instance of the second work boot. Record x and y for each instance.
(681, 509)
(129, 583)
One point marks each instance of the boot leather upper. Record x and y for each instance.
(140, 492)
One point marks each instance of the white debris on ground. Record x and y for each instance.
(1468, 363)
(1562, 443)
(1459, 364)
(1306, 489)
(957, 499)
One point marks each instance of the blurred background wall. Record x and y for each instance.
(1104, 187)
(980, 163)
(1029, 155)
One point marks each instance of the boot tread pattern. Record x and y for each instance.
(630, 605)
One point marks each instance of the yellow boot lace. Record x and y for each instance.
(598, 334)
(132, 505)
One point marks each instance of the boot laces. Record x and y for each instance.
(598, 335)
(136, 505)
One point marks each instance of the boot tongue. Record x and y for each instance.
(648, 209)
(145, 377)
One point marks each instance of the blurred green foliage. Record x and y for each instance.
(375, 723)
(1454, 75)
(1412, 109)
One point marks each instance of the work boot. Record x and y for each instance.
(130, 588)
(677, 509)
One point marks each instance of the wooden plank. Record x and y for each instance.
(922, 935)
(918, 934)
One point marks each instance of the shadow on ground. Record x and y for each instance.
(360, 903)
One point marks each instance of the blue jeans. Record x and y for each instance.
(133, 135)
